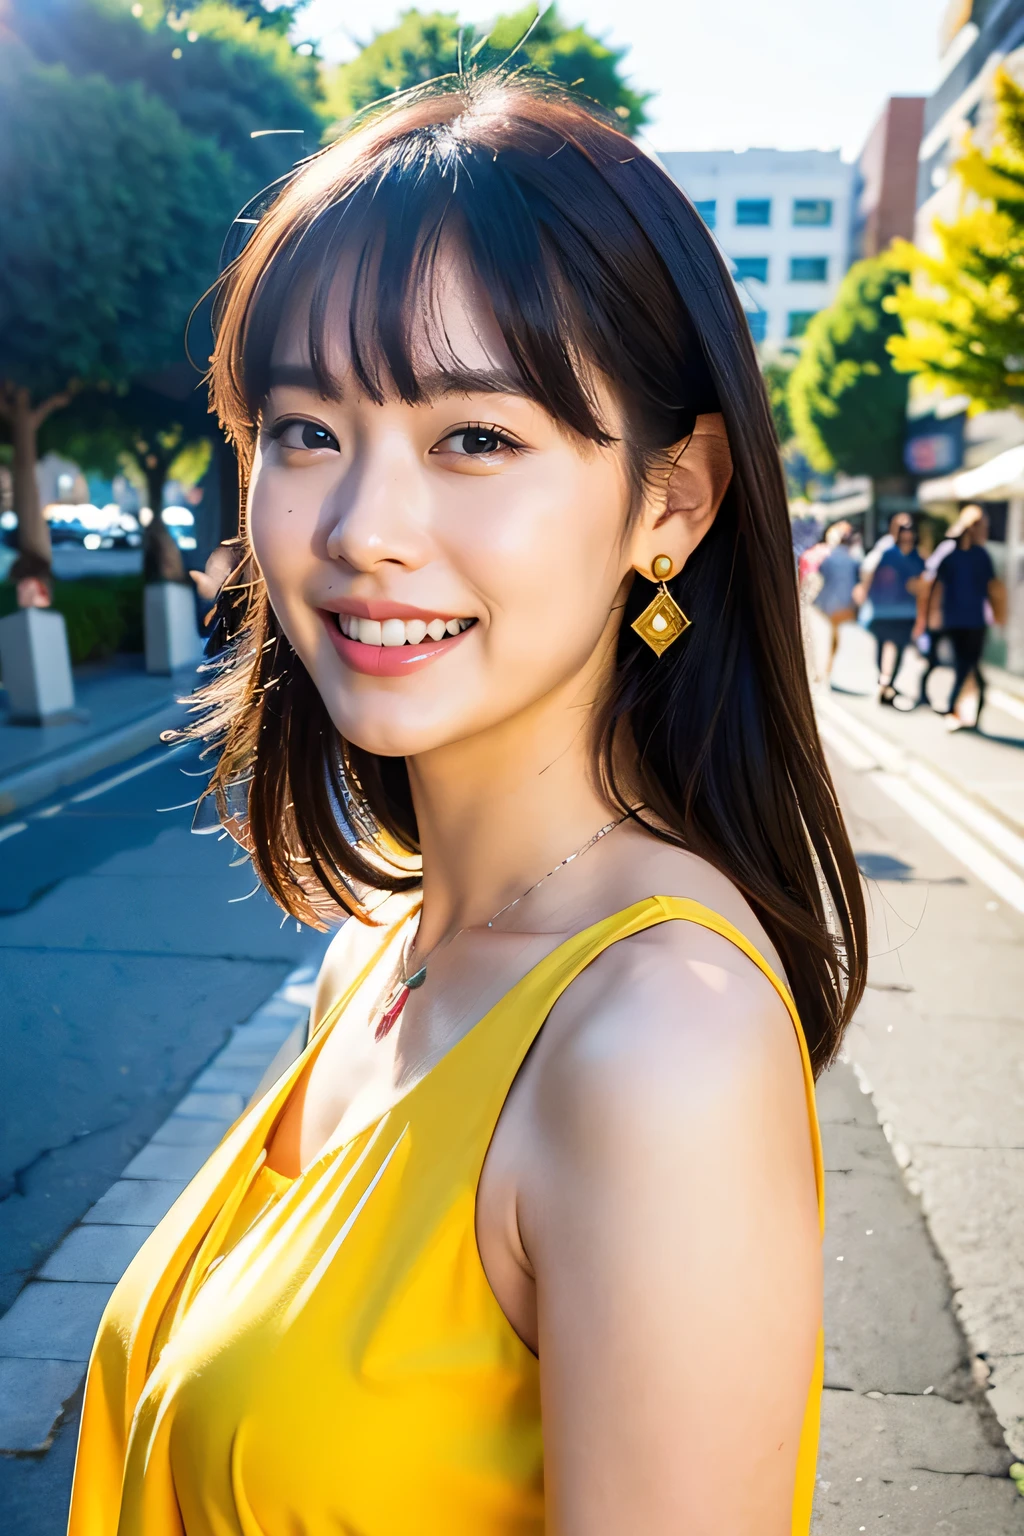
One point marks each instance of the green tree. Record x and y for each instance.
(569, 54)
(225, 75)
(424, 46)
(112, 222)
(776, 375)
(846, 401)
(963, 313)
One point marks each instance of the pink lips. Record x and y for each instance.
(385, 660)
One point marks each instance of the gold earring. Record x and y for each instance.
(662, 621)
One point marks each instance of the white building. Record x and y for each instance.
(783, 219)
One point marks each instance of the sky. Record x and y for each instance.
(729, 74)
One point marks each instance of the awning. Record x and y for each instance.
(996, 480)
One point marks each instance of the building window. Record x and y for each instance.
(706, 209)
(812, 210)
(799, 320)
(808, 269)
(758, 322)
(750, 266)
(753, 210)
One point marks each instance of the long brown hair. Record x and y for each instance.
(591, 258)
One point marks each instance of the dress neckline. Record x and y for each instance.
(331, 1147)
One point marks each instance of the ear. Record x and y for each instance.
(683, 497)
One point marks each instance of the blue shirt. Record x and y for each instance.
(965, 575)
(838, 572)
(889, 596)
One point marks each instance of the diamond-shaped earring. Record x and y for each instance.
(662, 621)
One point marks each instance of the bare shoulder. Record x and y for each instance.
(352, 948)
(673, 1055)
(644, 865)
(677, 1002)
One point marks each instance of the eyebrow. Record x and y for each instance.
(438, 384)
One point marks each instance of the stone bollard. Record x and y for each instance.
(172, 635)
(36, 668)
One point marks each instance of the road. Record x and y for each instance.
(127, 953)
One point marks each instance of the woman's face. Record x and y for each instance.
(440, 567)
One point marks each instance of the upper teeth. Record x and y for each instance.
(399, 631)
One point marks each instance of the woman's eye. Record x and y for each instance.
(474, 441)
(304, 434)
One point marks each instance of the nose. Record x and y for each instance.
(379, 514)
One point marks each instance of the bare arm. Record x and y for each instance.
(677, 1253)
(997, 597)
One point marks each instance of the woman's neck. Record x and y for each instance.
(497, 811)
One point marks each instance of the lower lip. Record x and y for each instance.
(387, 660)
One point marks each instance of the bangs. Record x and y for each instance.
(439, 197)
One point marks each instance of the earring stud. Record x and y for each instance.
(662, 621)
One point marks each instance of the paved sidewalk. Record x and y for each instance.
(909, 1445)
(125, 708)
(988, 765)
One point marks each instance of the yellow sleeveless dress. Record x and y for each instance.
(323, 1355)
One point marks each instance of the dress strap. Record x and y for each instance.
(509, 1030)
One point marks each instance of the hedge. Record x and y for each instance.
(103, 614)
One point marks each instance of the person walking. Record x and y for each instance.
(964, 583)
(887, 541)
(928, 631)
(838, 572)
(893, 595)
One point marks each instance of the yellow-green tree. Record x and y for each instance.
(963, 311)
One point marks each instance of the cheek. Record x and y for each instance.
(280, 528)
(547, 554)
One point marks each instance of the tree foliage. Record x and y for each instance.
(126, 148)
(423, 47)
(224, 74)
(112, 222)
(963, 315)
(776, 381)
(846, 400)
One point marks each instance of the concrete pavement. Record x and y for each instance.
(909, 1444)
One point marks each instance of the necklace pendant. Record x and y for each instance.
(392, 1013)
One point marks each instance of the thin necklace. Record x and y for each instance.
(399, 995)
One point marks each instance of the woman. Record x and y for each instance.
(839, 572)
(893, 594)
(528, 1239)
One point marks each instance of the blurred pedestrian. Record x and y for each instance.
(838, 573)
(928, 630)
(964, 583)
(869, 564)
(893, 595)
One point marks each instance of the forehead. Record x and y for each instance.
(448, 323)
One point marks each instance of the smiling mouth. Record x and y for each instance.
(393, 633)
